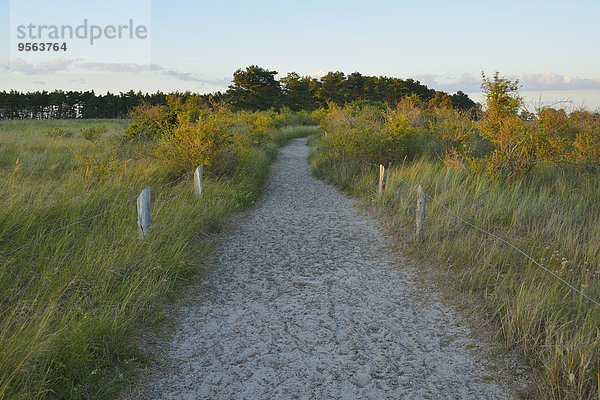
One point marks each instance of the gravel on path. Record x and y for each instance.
(307, 299)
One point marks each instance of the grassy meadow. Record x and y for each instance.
(70, 301)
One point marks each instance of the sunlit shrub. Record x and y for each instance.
(451, 129)
(586, 138)
(203, 142)
(587, 147)
(369, 134)
(218, 137)
(150, 122)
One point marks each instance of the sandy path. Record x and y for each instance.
(308, 300)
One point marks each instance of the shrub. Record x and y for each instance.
(219, 138)
(58, 133)
(93, 133)
(585, 131)
(452, 129)
(401, 138)
(504, 128)
(93, 166)
(189, 144)
(369, 134)
(150, 122)
(587, 147)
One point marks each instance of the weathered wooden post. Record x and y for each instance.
(143, 209)
(382, 178)
(198, 181)
(420, 214)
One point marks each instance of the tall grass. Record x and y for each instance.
(553, 215)
(70, 301)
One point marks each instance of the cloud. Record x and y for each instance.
(115, 67)
(319, 74)
(528, 82)
(223, 82)
(552, 81)
(139, 68)
(78, 64)
(190, 76)
(426, 78)
(44, 67)
(184, 76)
(465, 82)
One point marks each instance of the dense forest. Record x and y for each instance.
(254, 88)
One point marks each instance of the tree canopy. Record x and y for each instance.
(253, 88)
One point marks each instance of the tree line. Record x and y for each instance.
(253, 88)
(61, 104)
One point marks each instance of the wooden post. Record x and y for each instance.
(143, 209)
(382, 179)
(198, 181)
(420, 214)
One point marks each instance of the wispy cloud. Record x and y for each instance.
(465, 82)
(528, 81)
(79, 65)
(184, 76)
(552, 81)
(115, 67)
(45, 67)
(191, 77)
(223, 82)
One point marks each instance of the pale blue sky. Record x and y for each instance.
(551, 46)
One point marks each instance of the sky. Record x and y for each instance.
(550, 46)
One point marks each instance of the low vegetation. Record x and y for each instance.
(531, 178)
(70, 301)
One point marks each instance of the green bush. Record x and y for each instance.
(207, 141)
(150, 122)
(93, 133)
(188, 134)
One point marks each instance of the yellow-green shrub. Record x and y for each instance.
(203, 142)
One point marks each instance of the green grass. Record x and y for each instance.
(70, 301)
(552, 216)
